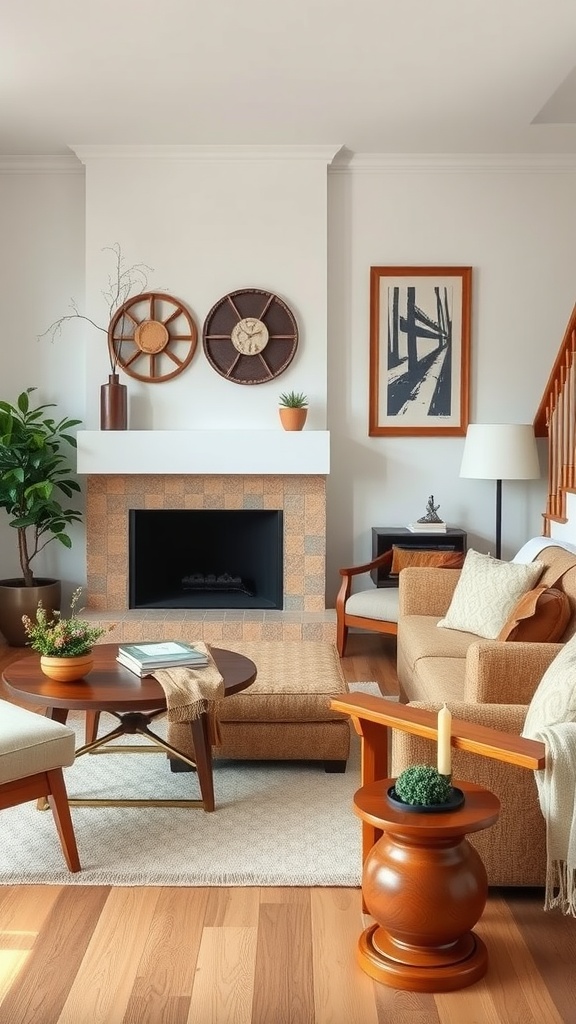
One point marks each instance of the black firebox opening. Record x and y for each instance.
(205, 558)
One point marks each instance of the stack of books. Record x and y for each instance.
(427, 527)
(142, 659)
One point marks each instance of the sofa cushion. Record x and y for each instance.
(419, 637)
(487, 592)
(541, 615)
(435, 679)
(559, 572)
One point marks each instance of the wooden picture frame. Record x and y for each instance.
(419, 351)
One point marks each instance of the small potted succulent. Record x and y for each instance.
(64, 645)
(422, 788)
(293, 409)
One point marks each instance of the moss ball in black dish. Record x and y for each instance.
(422, 784)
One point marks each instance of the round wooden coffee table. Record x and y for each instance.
(135, 702)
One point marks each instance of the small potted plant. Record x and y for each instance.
(293, 410)
(422, 788)
(64, 645)
(35, 475)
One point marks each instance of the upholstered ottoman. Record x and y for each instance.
(285, 713)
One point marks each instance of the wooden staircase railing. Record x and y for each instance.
(556, 419)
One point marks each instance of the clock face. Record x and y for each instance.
(250, 336)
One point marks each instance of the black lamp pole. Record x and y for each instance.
(498, 518)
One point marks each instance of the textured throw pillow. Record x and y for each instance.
(541, 615)
(554, 700)
(404, 558)
(487, 593)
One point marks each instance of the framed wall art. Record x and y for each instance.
(419, 350)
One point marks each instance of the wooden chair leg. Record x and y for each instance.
(341, 636)
(58, 799)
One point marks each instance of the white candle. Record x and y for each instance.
(444, 751)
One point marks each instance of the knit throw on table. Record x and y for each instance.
(192, 691)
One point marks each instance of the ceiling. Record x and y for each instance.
(377, 76)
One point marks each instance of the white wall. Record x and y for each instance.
(41, 268)
(209, 222)
(210, 226)
(514, 223)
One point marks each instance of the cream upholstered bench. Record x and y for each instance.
(285, 714)
(33, 751)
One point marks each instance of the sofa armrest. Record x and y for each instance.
(504, 672)
(426, 590)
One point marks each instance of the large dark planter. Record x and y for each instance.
(17, 600)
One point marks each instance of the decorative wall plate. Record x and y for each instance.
(250, 336)
(152, 336)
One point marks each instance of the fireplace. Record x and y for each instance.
(205, 558)
(301, 499)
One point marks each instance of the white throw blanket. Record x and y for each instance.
(551, 718)
(557, 794)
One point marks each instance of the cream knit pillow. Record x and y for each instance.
(554, 700)
(487, 593)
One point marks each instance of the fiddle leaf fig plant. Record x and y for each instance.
(421, 784)
(34, 476)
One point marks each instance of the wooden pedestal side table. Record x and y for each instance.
(425, 878)
(426, 887)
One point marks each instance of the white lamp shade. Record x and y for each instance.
(500, 451)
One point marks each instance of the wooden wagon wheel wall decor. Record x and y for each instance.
(250, 336)
(152, 337)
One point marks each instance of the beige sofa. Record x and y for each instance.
(484, 681)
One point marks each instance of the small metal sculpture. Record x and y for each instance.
(431, 512)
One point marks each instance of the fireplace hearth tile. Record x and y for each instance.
(232, 631)
(138, 624)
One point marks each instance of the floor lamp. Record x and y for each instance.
(500, 451)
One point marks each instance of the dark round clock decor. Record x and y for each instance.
(250, 336)
(152, 337)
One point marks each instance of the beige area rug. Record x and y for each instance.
(275, 823)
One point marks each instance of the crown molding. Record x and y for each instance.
(474, 163)
(40, 165)
(222, 154)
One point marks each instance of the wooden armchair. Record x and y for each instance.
(374, 609)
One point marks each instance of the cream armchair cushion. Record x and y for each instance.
(376, 603)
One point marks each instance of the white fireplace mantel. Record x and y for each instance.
(229, 452)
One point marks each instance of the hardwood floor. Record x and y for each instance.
(100, 955)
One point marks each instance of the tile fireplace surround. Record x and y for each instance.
(301, 496)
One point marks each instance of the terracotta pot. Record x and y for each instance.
(66, 670)
(17, 600)
(292, 419)
(113, 404)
